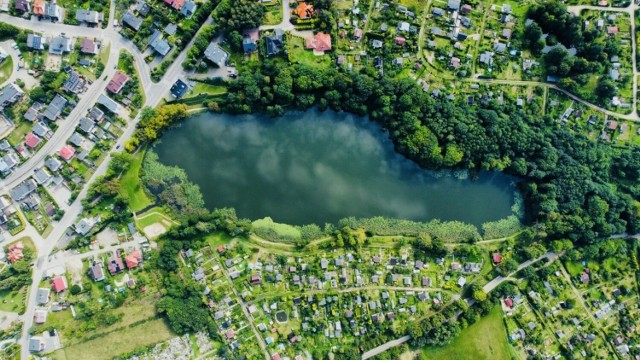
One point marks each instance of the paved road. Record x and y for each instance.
(382, 348)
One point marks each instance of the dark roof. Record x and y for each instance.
(179, 89)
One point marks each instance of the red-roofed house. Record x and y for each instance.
(304, 10)
(67, 152)
(400, 40)
(275, 356)
(38, 7)
(508, 302)
(176, 4)
(220, 249)
(320, 42)
(59, 283)
(612, 30)
(88, 46)
(14, 252)
(496, 258)
(32, 140)
(118, 81)
(134, 259)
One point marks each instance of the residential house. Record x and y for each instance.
(38, 8)
(188, 9)
(88, 46)
(42, 296)
(216, 54)
(179, 89)
(67, 152)
(74, 84)
(118, 81)
(59, 283)
(109, 103)
(41, 176)
(319, 43)
(40, 316)
(36, 344)
(85, 225)
(52, 11)
(96, 114)
(33, 111)
(275, 42)
(61, 45)
(404, 27)
(250, 40)
(22, 6)
(453, 5)
(36, 42)
(159, 44)
(54, 109)
(32, 141)
(115, 265)
(23, 190)
(86, 125)
(53, 164)
(304, 10)
(134, 259)
(90, 17)
(96, 271)
(14, 252)
(132, 21)
(8, 162)
(9, 95)
(176, 4)
(143, 8)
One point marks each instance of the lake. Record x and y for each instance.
(317, 167)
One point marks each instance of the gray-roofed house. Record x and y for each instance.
(403, 26)
(216, 54)
(8, 162)
(171, 29)
(274, 42)
(157, 43)
(55, 107)
(10, 94)
(60, 45)
(108, 103)
(36, 42)
(41, 130)
(188, 9)
(500, 47)
(41, 176)
(42, 296)
(52, 11)
(32, 112)
(89, 16)
(96, 272)
(453, 5)
(36, 344)
(96, 114)
(74, 84)
(376, 44)
(131, 20)
(77, 139)
(53, 164)
(23, 189)
(436, 11)
(143, 8)
(87, 125)
(85, 225)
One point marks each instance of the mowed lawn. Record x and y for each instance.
(118, 342)
(486, 339)
(131, 187)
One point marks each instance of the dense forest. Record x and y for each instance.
(573, 187)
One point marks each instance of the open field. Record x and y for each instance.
(131, 187)
(119, 342)
(5, 69)
(486, 339)
(13, 301)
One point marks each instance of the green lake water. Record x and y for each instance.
(317, 167)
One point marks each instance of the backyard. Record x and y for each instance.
(486, 339)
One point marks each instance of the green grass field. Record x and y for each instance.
(298, 53)
(486, 339)
(17, 135)
(118, 342)
(207, 89)
(13, 301)
(6, 69)
(132, 188)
